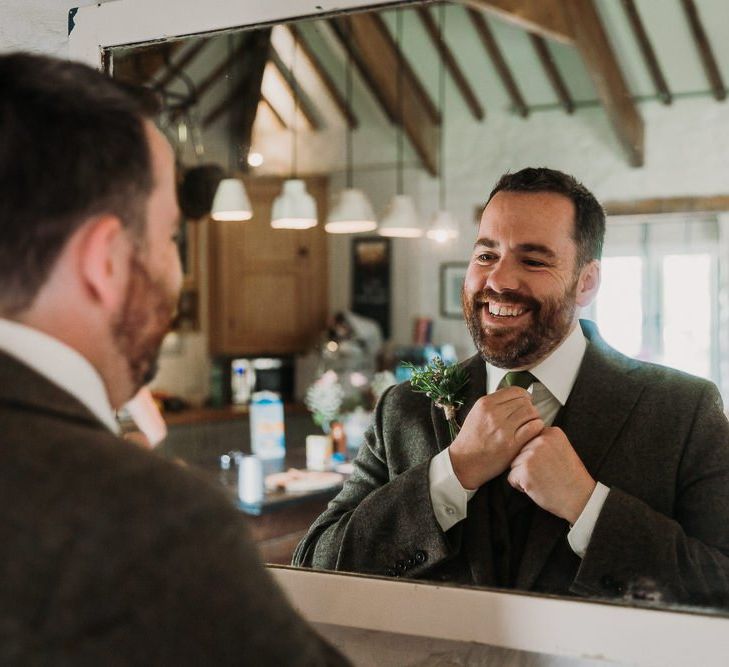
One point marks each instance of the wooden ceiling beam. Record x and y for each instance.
(274, 112)
(602, 65)
(497, 58)
(324, 76)
(713, 74)
(646, 48)
(552, 72)
(451, 64)
(542, 17)
(304, 101)
(375, 53)
(664, 205)
(173, 69)
(245, 95)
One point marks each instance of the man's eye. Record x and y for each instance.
(486, 257)
(534, 262)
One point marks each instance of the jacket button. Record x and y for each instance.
(420, 557)
(401, 566)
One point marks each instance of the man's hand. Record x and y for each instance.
(494, 431)
(549, 471)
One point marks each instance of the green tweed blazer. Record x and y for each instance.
(657, 437)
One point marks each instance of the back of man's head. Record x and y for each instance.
(72, 146)
(589, 228)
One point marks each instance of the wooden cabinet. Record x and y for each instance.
(268, 287)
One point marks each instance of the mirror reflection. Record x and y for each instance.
(335, 176)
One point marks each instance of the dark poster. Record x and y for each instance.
(371, 280)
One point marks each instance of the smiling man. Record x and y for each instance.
(576, 470)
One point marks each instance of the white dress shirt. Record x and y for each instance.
(61, 365)
(555, 378)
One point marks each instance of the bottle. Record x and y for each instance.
(267, 425)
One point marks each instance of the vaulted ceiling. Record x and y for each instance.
(499, 56)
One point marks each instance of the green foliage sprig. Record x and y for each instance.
(443, 384)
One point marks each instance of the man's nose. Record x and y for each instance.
(504, 276)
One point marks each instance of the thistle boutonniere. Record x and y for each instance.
(443, 384)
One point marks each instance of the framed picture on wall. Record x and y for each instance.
(452, 275)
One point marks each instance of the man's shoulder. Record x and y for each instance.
(660, 378)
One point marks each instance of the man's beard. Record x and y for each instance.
(516, 347)
(144, 320)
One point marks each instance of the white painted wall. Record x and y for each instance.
(37, 25)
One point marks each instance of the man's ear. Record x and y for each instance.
(104, 252)
(588, 283)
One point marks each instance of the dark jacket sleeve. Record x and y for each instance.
(682, 555)
(382, 522)
(181, 583)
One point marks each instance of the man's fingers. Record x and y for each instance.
(507, 394)
(528, 431)
(513, 480)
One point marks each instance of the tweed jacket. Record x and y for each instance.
(657, 437)
(112, 555)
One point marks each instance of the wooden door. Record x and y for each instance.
(268, 287)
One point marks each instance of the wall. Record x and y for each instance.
(37, 25)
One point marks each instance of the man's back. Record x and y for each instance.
(112, 555)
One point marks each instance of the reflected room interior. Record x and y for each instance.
(366, 145)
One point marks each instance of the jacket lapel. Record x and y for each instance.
(599, 404)
(475, 388)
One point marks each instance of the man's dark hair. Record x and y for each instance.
(72, 146)
(589, 228)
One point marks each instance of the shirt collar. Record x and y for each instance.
(557, 372)
(60, 364)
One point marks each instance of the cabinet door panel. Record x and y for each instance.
(268, 287)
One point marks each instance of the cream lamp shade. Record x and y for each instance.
(294, 208)
(231, 201)
(352, 214)
(401, 219)
(443, 228)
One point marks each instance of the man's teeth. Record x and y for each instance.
(504, 310)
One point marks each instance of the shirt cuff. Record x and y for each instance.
(581, 533)
(449, 498)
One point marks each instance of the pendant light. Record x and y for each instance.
(231, 199)
(353, 212)
(294, 208)
(443, 227)
(401, 218)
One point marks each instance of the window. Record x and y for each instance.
(658, 300)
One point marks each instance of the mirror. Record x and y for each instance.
(513, 100)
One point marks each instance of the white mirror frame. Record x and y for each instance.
(613, 633)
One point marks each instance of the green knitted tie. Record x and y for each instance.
(523, 379)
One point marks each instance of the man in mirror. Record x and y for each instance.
(576, 470)
(109, 552)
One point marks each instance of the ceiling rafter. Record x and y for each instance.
(376, 56)
(552, 72)
(324, 76)
(646, 48)
(245, 94)
(713, 74)
(274, 112)
(544, 18)
(451, 64)
(297, 92)
(497, 58)
(602, 65)
(173, 70)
